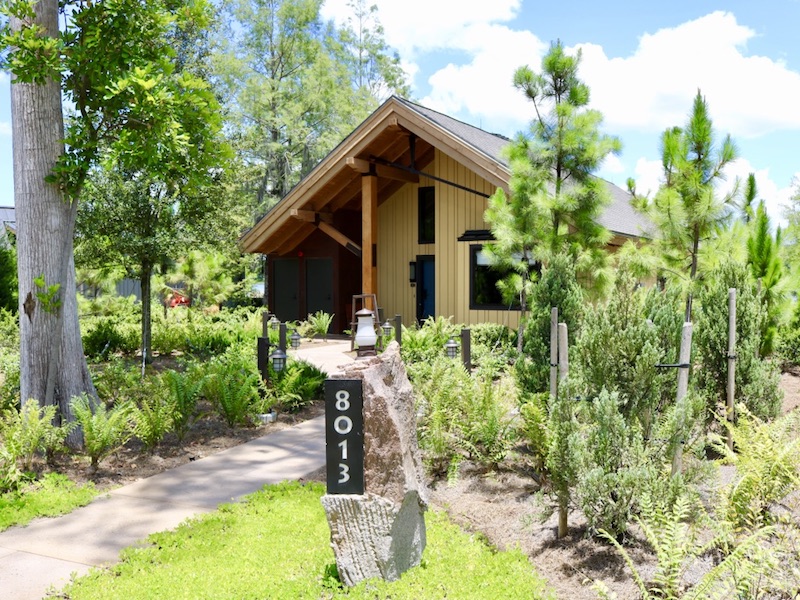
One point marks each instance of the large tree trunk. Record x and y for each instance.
(50, 341)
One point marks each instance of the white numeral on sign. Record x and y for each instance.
(343, 425)
(343, 446)
(344, 473)
(342, 400)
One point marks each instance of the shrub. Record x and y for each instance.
(757, 380)
(9, 380)
(10, 474)
(9, 330)
(117, 380)
(103, 340)
(8, 278)
(612, 469)
(104, 430)
(558, 286)
(30, 430)
(618, 350)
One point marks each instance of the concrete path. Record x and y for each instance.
(42, 555)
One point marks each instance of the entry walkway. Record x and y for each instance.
(44, 554)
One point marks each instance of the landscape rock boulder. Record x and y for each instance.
(382, 532)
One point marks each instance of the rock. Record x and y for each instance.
(382, 533)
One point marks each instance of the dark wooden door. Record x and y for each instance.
(286, 289)
(319, 285)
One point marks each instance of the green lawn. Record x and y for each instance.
(51, 496)
(276, 545)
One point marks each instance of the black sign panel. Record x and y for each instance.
(344, 436)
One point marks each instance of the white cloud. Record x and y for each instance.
(648, 175)
(483, 87)
(5, 128)
(416, 26)
(653, 89)
(612, 165)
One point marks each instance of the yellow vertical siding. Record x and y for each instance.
(456, 211)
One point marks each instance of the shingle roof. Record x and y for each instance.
(490, 144)
(619, 217)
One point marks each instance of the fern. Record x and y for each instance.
(29, 431)
(184, 392)
(104, 430)
(152, 420)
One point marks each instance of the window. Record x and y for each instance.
(427, 216)
(483, 278)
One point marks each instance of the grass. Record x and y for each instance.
(276, 544)
(51, 496)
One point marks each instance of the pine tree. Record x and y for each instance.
(554, 199)
(686, 209)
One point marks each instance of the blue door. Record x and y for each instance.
(426, 287)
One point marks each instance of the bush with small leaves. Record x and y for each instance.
(104, 430)
(757, 380)
(558, 286)
(102, 340)
(9, 380)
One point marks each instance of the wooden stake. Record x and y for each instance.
(563, 357)
(553, 352)
(731, 362)
(563, 372)
(683, 386)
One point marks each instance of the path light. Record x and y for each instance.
(451, 347)
(387, 328)
(365, 333)
(294, 339)
(274, 322)
(278, 360)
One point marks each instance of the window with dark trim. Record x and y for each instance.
(427, 216)
(483, 278)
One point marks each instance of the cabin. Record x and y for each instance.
(396, 210)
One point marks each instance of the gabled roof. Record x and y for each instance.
(7, 220)
(387, 137)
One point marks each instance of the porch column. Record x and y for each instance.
(369, 234)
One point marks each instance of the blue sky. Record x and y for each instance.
(644, 62)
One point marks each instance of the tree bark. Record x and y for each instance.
(45, 227)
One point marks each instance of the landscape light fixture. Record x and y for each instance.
(278, 360)
(387, 328)
(274, 322)
(451, 347)
(294, 339)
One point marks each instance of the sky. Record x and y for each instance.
(644, 62)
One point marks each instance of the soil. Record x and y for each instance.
(504, 506)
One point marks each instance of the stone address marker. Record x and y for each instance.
(380, 533)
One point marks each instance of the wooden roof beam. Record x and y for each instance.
(310, 216)
(360, 165)
(340, 238)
